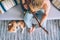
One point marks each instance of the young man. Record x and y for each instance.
(39, 7)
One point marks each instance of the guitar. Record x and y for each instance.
(27, 2)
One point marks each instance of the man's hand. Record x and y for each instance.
(25, 6)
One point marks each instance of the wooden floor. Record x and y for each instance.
(53, 27)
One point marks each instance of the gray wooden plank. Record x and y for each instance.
(53, 27)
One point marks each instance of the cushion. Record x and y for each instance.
(7, 4)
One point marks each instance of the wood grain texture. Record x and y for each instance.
(53, 27)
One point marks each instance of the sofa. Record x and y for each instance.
(15, 13)
(7, 4)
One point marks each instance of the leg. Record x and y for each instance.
(21, 24)
(39, 15)
(44, 24)
(28, 20)
(32, 29)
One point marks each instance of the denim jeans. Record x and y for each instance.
(27, 19)
(29, 16)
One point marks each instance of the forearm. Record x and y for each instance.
(43, 19)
